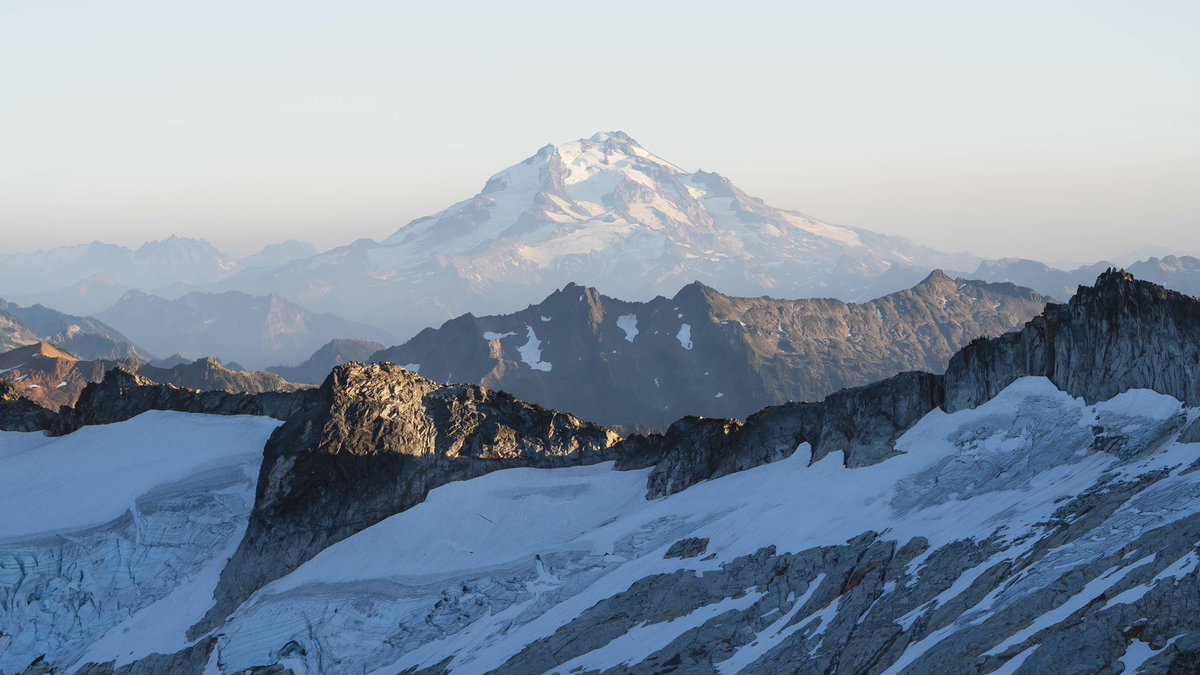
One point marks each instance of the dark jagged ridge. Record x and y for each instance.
(738, 356)
(863, 423)
(122, 395)
(18, 413)
(1118, 335)
(372, 442)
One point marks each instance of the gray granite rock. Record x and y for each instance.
(1118, 335)
(372, 442)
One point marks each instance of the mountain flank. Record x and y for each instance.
(84, 337)
(643, 365)
(335, 353)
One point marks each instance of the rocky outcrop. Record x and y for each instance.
(122, 395)
(1120, 334)
(862, 423)
(191, 659)
(642, 365)
(18, 413)
(372, 442)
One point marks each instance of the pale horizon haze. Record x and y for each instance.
(1064, 132)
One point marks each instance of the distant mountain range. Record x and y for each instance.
(53, 378)
(84, 337)
(255, 331)
(316, 368)
(705, 353)
(1180, 273)
(87, 278)
(602, 212)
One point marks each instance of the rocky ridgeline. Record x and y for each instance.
(18, 413)
(373, 441)
(863, 423)
(1118, 335)
(122, 395)
(643, 365)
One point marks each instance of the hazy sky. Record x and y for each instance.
(1056, 130)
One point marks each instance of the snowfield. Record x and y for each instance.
(485, 570)
(112, 537)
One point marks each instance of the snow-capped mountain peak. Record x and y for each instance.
(608, 194)
(602, 211)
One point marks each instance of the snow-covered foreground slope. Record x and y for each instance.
(111, 538)
(1030, 532)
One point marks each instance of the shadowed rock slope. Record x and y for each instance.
(704, 353)
(1118, 335)
(372, 442)
(18, 413)
(122, 395)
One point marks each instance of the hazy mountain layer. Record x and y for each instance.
(1181, 273)
(255, 331)
(84, 337)
(316, 368)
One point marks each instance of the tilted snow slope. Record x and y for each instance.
(119, 527)
(601, 211)
(1001, 533)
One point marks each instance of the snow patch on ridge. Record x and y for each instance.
(531, 351)
(628, 323)
(684, 336)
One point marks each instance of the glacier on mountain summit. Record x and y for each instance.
(601, 211)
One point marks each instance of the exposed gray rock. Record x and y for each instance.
(635, 364)
(1120, 334)
(372, 442)
(1191, 433)
(687, 548)
(18, 413)
(121, 395)
(863, 423)
(189, 661)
